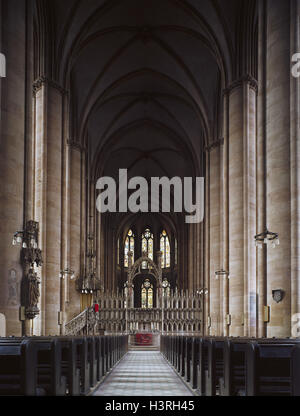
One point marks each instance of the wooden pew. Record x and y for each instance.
(269, 367)
(70, 368)
(295, 370)
(114, 351)
(122, 347)
(215, 365)
(108, 352)
(50, 380)
(194, 362)
(83, 364)
(57, 365)
(92, 359)
(18, 367)
(250, 370)
(233, 382)
(236, 366)
(202, 366)
(188, 357)
(103, 355)
(182, 356)
(99, 354)
(173, 351)
(164, 346)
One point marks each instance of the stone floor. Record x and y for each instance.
(143, 373)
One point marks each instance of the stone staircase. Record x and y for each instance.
(143, 348)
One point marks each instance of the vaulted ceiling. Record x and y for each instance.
(145, 78)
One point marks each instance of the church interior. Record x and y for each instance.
(160, 89)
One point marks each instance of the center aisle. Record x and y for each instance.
(143, 373)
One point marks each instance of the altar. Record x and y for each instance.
(143, 339)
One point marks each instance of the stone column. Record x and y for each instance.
(48, 104)
(98, 246)
(207, 271)
(83, 213)
(12, 146)
(75, 156)
(191, 257)
(295, 173)
(224, 211)
(242, 206)
(261, 174)
(214, 236)
(278, 151)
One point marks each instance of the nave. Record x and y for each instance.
(143, 373)
(170, 93)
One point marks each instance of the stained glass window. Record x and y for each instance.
(147, 295)
(165, 249)
(144, 298)
(129, 246)
(147, 246)
(150, 298)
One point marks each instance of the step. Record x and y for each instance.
(143, 348)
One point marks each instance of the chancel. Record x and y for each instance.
(98, 98)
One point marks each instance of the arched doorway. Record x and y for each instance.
(145, 289)
(143, 295)
(144, 270)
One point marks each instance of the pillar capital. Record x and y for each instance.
(245, 79)
(43, 80)
(214, 145)
(75, 145)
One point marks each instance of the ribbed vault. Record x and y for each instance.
(157, 63)
(145, 82)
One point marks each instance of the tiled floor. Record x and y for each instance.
(143, 373)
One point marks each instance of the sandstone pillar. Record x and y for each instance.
(48, 105)
(216, 284)
(13, 119)
(207, 271)
(278, 186)
(242, 207)
(261, 174)
(295, 176)
(224, 221)
(74, 221)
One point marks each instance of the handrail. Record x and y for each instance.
(78, 316)
(77, 324)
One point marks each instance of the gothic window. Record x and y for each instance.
(165, 249)
(147, 246)
(129, 246)
(147, 295)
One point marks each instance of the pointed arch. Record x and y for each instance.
(129, 246)
(147, 245)
(165, 249)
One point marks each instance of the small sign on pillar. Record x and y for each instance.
(2, 66)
